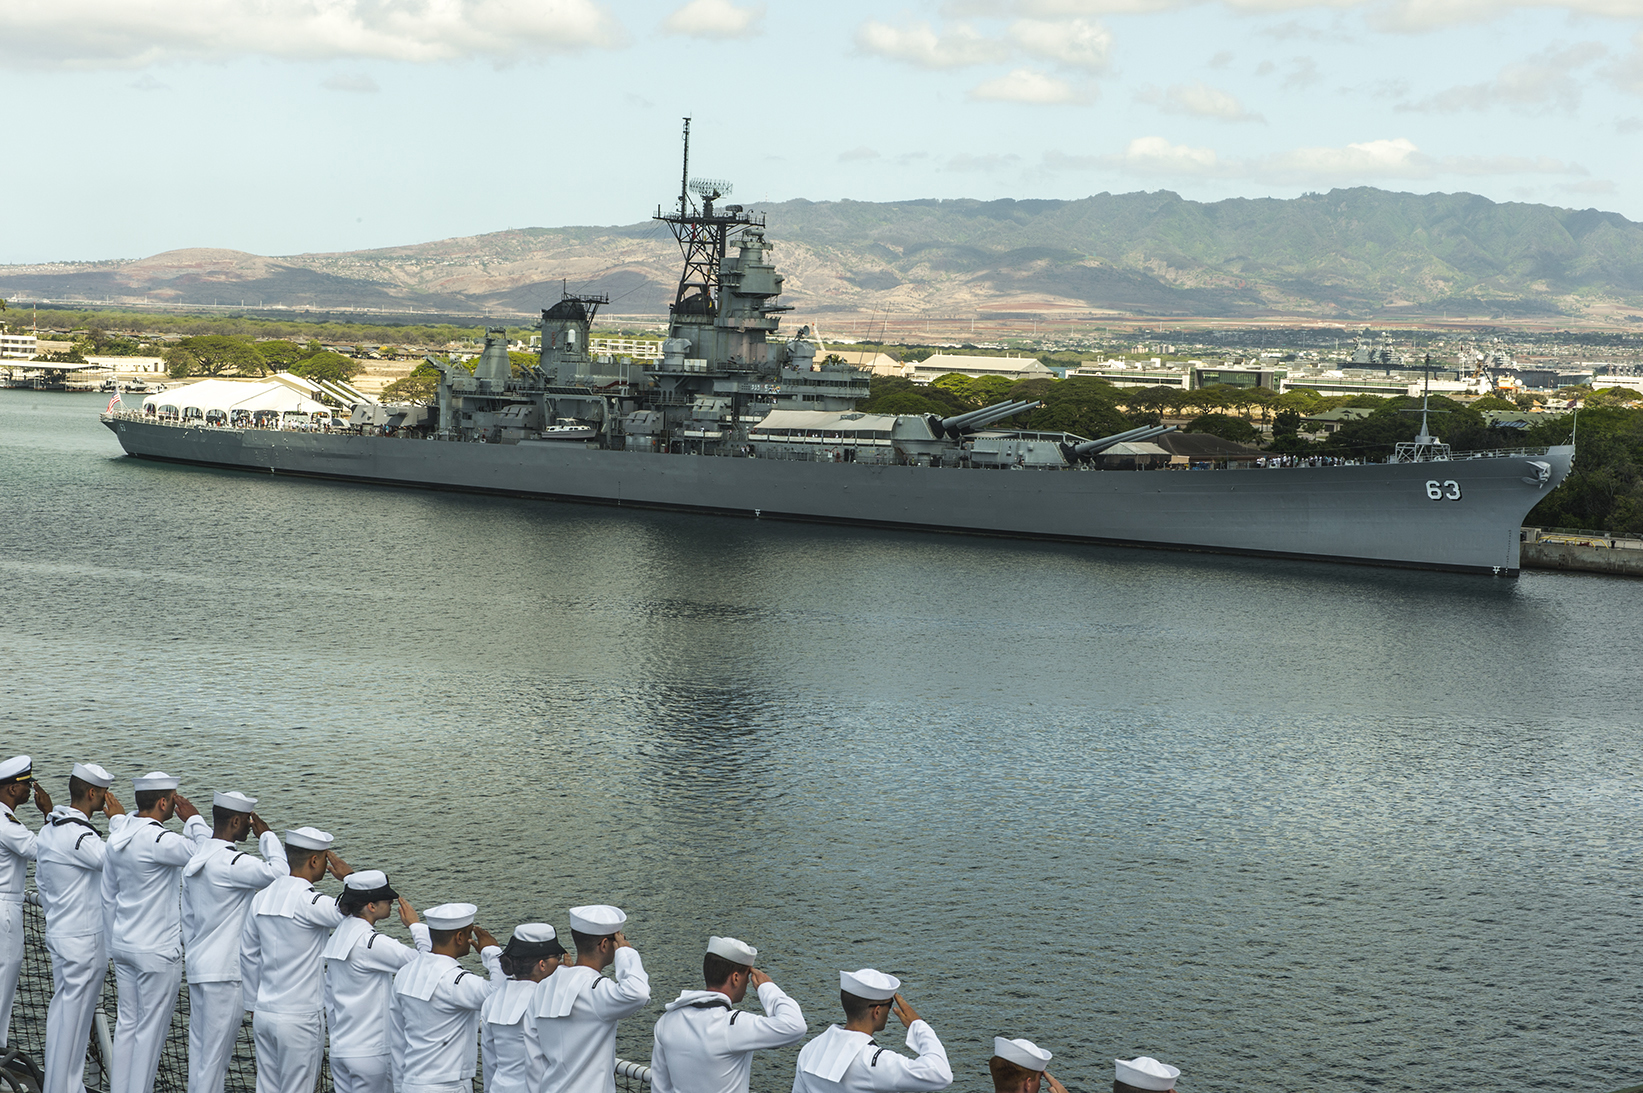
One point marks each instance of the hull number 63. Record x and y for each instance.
(1443, 491)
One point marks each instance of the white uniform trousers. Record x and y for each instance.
(147, 985)
(363, 1074)
(11, 958)
(78, 968)
(215, 1011)
(289, 1048)
(466, 1085)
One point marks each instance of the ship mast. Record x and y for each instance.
(703, 237)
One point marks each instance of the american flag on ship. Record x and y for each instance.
(112, 403)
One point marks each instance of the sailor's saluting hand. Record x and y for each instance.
(482, 939)
(258, 828)
(111, 806)
(904, 1013)
(336, 866)
(407, 913)
(42, 799)
(185, 808)
(621, 941)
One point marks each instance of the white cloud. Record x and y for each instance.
(919, 45)
(967, 162)
(1627, 72)
(1198, 100)
(1397, 16)
(1546, 80)
(1157, 156)
(123, 33)
(146, 82)
(1352, 164)
(857, 154)
(357, 82)
(1072, 43)
(1028, 86)
(715, 19)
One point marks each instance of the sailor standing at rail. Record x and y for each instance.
(69, 875)
(17, 849)
(281, 968)
(704, 1046)
(218, 883)
(359, 976)
(577, 1008)
(507, 1028)
(141, 872)
(846, 1059)
(433, 1013)
(1019, 1066)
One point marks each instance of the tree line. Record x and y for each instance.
(210, 355)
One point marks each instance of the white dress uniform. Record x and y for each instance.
(433, 1014)
(141, 872)
(69, 875)
(17, 849)
(283, 975)
(842, 1061)
(507, 1038)
(359, 978)
(218, 883)
(705, 1046)
(577, 1010)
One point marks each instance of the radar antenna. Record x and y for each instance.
(703, 236)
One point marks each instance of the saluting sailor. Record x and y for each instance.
(1019, 1066)
(507, 1028)
(577, 1008)
(705, 1046)
(285, 932)
(846, 1059)
(69, 875)
(17, 849)
(359, 976)
(1143, 1075)
(141, 872)
(218, 883)
(433, 1014)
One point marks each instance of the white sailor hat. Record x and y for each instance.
(870, 984)
(535, 933)
(1021, 1053)
(309, 838)
(93, 775)
(450, 916)
(19, 768)
(597, 919)
(370, 882)
(234, 802)
(733, 949)
(533, 941)
(155, 779)
(1145, 1073)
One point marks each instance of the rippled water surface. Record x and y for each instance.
(1287, 826)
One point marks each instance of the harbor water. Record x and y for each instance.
(1289, 827)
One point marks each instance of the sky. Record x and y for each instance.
(292, 126)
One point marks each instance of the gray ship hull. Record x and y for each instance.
(1376, 514)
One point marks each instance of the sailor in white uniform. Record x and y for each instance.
(577, 1009)
(507, 1028)
(218, 883)
(1019, 1066)
(846, 1059)
(17, 849)
(69, 875)
(1143, 1075)
(433, 1014)
(141, 872)
(705, 1046)
(281, 968)
(359, 977)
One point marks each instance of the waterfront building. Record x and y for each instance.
(19, 346)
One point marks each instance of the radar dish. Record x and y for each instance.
(711, 188)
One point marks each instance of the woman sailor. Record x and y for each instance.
(359, 974)
(513, 1056)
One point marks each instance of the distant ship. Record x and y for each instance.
(734, 421)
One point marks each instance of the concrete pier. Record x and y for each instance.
(1585, 552)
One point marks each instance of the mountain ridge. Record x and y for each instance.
(1349, 254)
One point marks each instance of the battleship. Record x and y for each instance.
(736, 420)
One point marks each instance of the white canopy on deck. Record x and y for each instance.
(231, 395)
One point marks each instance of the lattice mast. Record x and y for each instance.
(703, 236)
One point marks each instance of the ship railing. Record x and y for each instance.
(22, 1060)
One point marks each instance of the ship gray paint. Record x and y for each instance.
(1375, 513)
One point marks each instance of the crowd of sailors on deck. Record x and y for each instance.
(242, 419)
(254, 934)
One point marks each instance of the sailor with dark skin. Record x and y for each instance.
(433, 1014)
(847, 1059)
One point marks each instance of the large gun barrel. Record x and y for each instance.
(1091, 448)
(960, 424)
